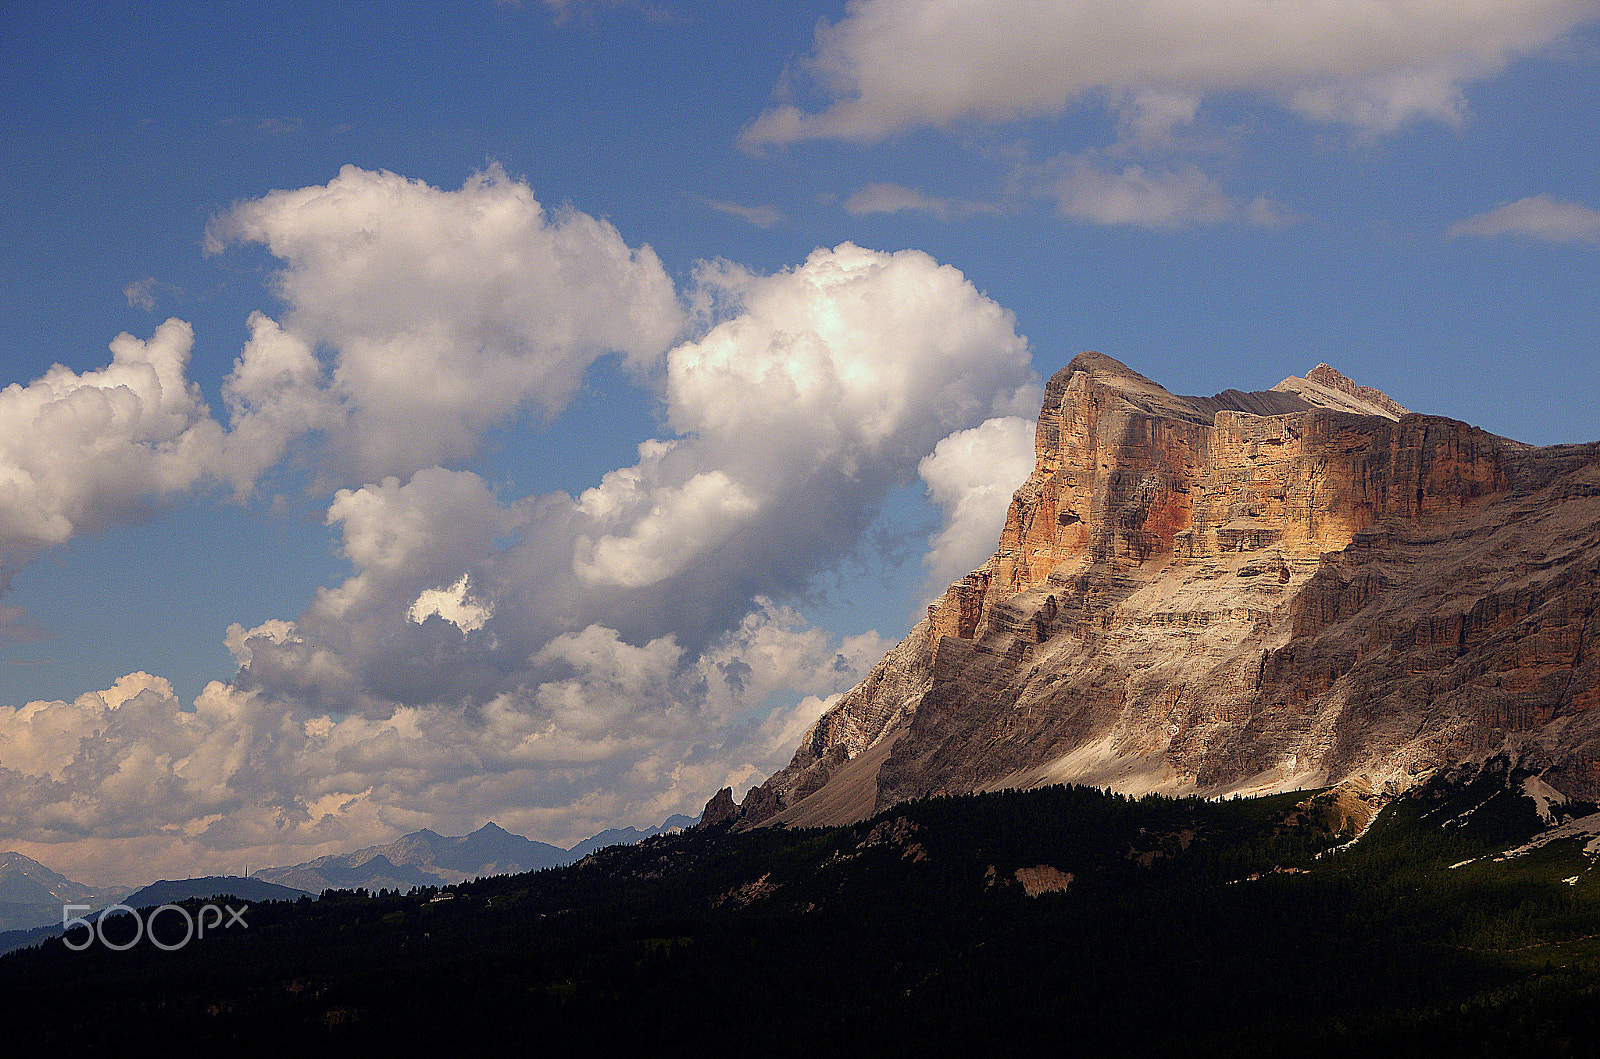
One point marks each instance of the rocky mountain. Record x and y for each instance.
(422, 858)
(31, 894)
(1244, 593)
(25, 880)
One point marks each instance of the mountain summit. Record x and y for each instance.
(31, 894)
(1242, 593)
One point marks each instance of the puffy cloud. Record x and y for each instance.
(862, 354)
(431, 524)
(78, 452)
(674, 524)
(359, 646)
(810, 394)
(117, 762)
(971, 475)
(447, 312)
(454, 604)
(892, 65)
(275, 654)
(1542, 218)
(602, 659)
(275, 394)
(613, 682)
(441, 314)
(366, 644)
(123, 782)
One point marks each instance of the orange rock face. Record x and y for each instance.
(1243, 592)
(1126, 480)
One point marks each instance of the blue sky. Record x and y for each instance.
(824, 254)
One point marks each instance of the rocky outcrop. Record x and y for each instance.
(1043, 879)
(720, 809)
(1241, 593)
(1326, 387)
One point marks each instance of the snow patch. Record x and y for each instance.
(1583, 827)
(1460, 821)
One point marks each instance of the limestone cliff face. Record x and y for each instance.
(1245, 592)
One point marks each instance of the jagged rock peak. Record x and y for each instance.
(1328, 387)
(1328, 375)
(720, 809)
(1322, 387)
(1101, 371)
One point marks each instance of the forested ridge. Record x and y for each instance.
(1065, 917)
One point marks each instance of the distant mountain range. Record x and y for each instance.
(32, 896)
(426, 858)
(48, 917)
(422, 858)
(624, 836)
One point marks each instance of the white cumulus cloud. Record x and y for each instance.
(637, 649)
(641, 655)
(447, 312)
(812, 393)
(80, 451)
(417, 320)
(971, 475)
(123, 783)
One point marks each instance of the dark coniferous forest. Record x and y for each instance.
(1066, 919)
